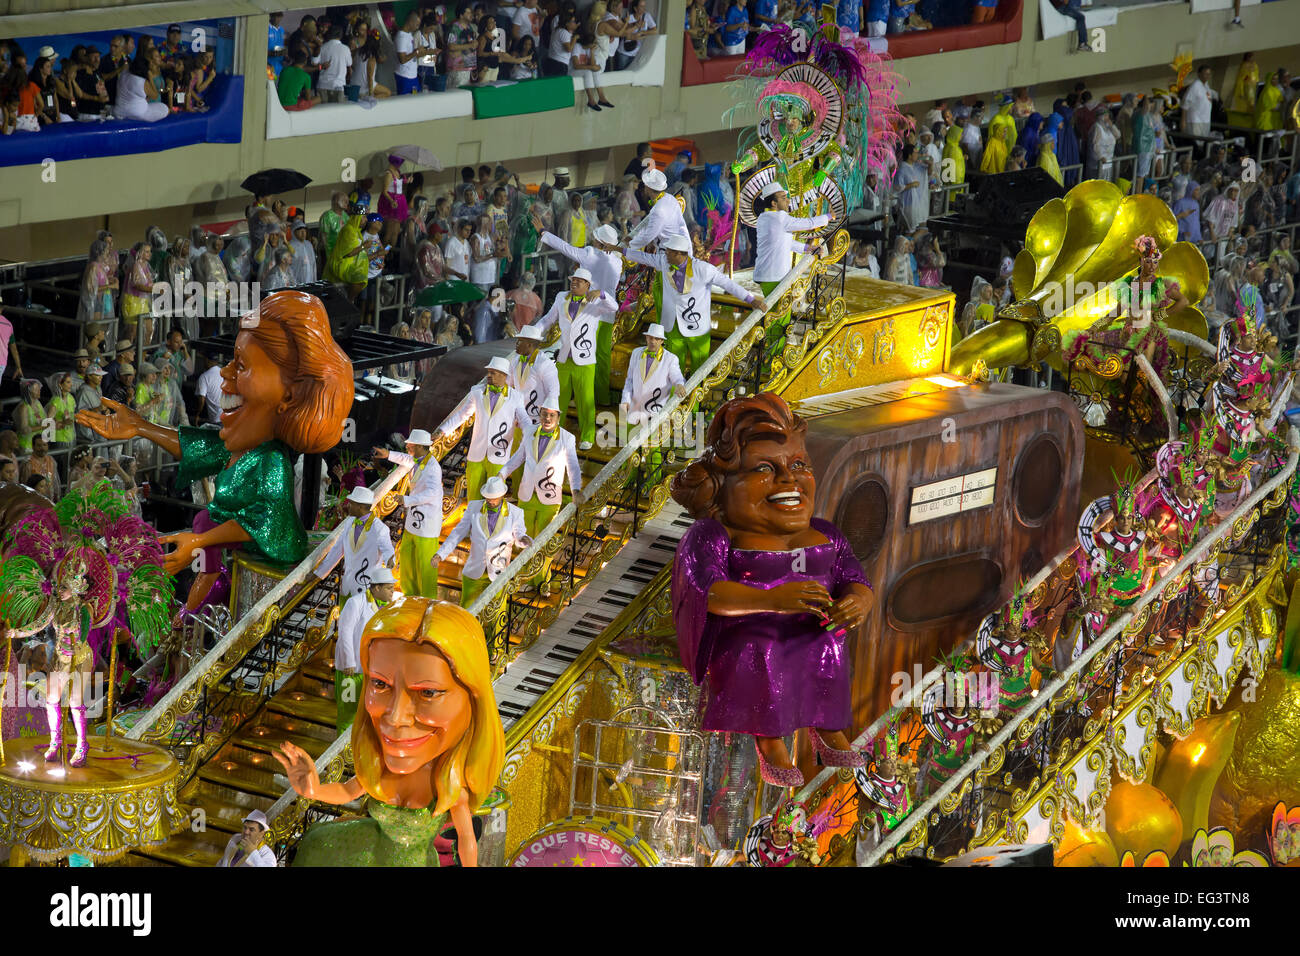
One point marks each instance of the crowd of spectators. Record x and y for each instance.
(134, 79)
(333, 58)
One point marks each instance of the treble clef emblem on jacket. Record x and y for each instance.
(501, 439)
(582, 344)
(362, 577)
(653, 405)
(417, 518)
(690, 315)
(546, 488)
(531, 406)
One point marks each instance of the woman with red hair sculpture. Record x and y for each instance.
(764, 594)
(287, 389)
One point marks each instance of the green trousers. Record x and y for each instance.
(691, 351)
(536, 517)
(347, 695)
(416, 574)
(477, 472)
(604, 351)
(578, 382)
(776, 326)
(470, 588)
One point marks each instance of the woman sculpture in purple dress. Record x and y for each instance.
(764, 594)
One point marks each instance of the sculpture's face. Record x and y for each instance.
(773, 491)
(252, 392)
(415, 703)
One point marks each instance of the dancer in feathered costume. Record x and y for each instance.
(75, 566)
(865, 135)
(1011, 642)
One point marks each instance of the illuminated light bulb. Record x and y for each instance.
(26, 766)
(57, 772)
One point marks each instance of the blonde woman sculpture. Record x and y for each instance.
(426, 742)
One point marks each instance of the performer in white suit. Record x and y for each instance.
(494, 528)
(776, 246)
(532, 371)
(579, 311)
(549, 456)
(603, 259)
(423, 502)
(687, 309)
(354, 617)
(364, 544)
(653, 373)
(665, 216)
(497, 409)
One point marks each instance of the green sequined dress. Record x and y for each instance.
(388, 836)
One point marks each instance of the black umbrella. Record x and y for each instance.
(270, 182)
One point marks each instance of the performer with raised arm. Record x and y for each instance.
(653, 373)
(353, 619)
(494, 529)
(364, 545)
(497, 410)
(665, 216)
(601, 257)
(774, 255)
(549, 456)
(687, 310)
(423, 502)
(533, 372)
(579, 311)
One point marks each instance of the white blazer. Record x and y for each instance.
(493, 428)
(535, 381)
(663, 220)
(776, 243)
(606, 268)
(362, 546)
(354, 617)
(489, 553)
(691, 310)
(424, 503)
(544, 474)
(578, 335)
(645, 394)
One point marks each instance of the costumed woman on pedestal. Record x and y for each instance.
(287, 389)
(427, 741)
(765, 595)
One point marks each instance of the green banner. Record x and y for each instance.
(524, 96)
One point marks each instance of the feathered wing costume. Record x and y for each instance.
(83, 564)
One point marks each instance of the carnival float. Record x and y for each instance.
(846, 596)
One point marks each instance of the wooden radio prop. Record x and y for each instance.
(948, 496)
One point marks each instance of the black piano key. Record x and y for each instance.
(535, 682)
(542, 673)
(564, 658)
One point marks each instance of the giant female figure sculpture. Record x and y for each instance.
(288, 388)
(764, 594)
(427, 741)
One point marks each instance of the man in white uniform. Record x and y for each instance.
(532, 371)
(653, 373)
(247, 848)
(687, 309)
(494, 529)
(665, 216)
(497, 409)
(776, 246)
(579, 311)
(354, 617)
(364, 545)
(604, 261)
(423, 503)
(1196, 103)
(549, 456)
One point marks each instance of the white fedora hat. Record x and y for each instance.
(655, 179)
(381, 575)
(771, 189)
(656, 330)
(581, 274)
(258, 817)
(550, 404)
(607, 234)
(494, 487)
(678, 244)
(419, 436)
(498, 364)
(530, 332)
(361, 495)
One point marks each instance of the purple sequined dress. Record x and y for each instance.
(768, 674)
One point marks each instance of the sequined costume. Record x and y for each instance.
(388, 836)
(256, 491)
(1143, 307)
(1005, 643)
(768, 674)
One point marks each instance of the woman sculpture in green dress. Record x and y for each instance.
(427, 742)
(287, 390)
